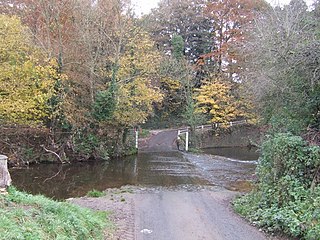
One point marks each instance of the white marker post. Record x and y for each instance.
(187, 140)
(5, 179)
(137, 136)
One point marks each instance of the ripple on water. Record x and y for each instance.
(168, 169)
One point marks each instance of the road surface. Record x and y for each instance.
(186, 212)
(190, 216)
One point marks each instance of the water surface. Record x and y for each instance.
(167, 169)
(240, 153)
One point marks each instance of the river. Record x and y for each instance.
(165, 169)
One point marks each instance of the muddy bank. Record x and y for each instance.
(25, 145)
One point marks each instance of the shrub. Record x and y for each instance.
(287, 196)
(90, 145)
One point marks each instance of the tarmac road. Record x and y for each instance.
(163, 141)
(177, 215)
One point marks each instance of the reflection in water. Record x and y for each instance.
(241, 153)
(147, 169)
(74, 180)
(64, 181)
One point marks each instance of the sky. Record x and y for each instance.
(144, 6)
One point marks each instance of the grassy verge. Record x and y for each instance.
(24, 216)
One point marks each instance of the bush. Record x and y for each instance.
(287, 155)
(90, 145)
(24, 216)
(287, 196)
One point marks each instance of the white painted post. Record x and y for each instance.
(137, 136)
(5, 179)
(187, 141)
(231, 124)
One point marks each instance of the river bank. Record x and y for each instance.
(24, 216)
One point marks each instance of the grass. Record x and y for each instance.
(144, 133)
(95, 193)
(24, 216)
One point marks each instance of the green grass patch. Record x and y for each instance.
(144, 133)
(95, 193)
(24, 216)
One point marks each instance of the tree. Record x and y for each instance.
(215, 99)
(182, 18)
(105, 103)
(86, 38)
(231, 19)
(175, 83)
(284, 66)
(137, 80)
(178, 47)
(27, 85)
(50, 22)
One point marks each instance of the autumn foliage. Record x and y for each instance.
(89, 71)
(27, 82)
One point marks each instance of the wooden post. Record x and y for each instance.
(5, 179)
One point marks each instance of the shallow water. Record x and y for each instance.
(167, 169)
(240, 153)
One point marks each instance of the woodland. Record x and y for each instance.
(78, 76)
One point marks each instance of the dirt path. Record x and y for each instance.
(185, 212)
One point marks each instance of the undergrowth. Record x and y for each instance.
(287, 196)
(95, 193)
(24, 216)
(144, 133)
